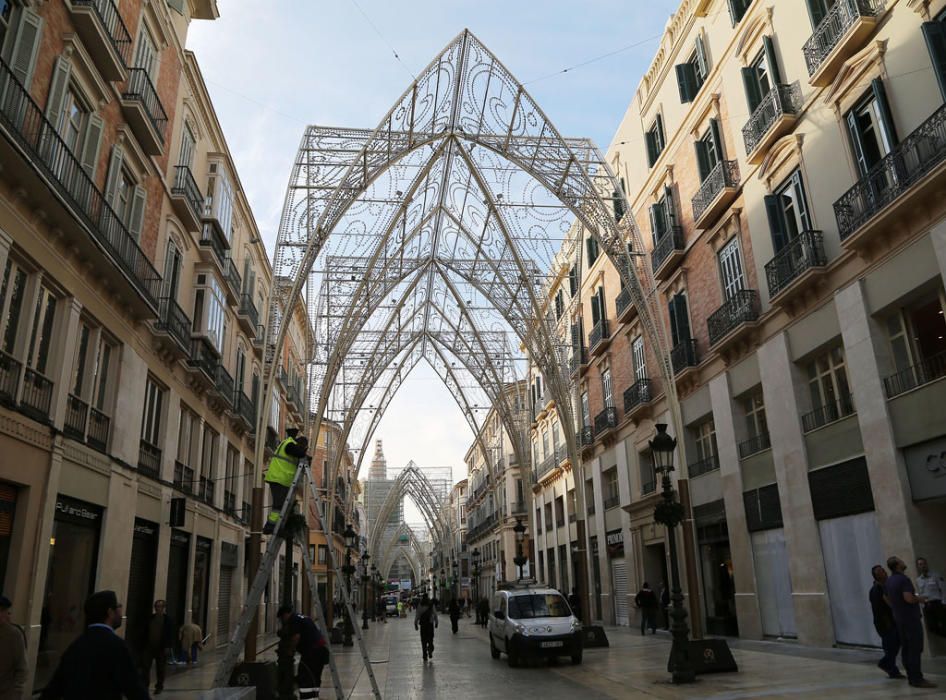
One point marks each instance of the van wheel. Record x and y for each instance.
(512, 656)
(576, 658)
(493, 651)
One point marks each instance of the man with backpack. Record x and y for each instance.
(313, 651)
(425, 619)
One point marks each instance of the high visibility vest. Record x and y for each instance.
(282, 467)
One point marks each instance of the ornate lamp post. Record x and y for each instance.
(670, 513)
(374, 592)
(456, 579)
(348, 570)
(476, 575)
(364, 585)
(519, 560)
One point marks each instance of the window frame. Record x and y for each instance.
(152, 419)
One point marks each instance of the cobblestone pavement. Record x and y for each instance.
(633, 667)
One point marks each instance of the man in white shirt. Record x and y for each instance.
(931, 589)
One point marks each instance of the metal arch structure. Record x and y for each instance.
(410, 482)
(392, 549)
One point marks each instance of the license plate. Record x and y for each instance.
(551, 645)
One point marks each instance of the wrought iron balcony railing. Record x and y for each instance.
(203, 357)
(149, 459)
(186, 187)
(635, 395)
(915, 156)
(579, 358)
(703, 466)
(248, 309)
(211, 237)
(672, 240)
(141, 88)
(757, 443)
(28, 128)
(77, 412)
(830, 412)
(586, 436)
(223, 383)
(741, 307)
(233, 277)
(623, 301)
(829, 32)
(612, 502)
(782, 100)
(37, 396)
(173, 320)
(724, 175)
(606, 420)
(803, 253)
(598, 333)
(107, 13)
(99, 425)
(684, 355)
(923, 372)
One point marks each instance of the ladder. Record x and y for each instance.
(254, 595)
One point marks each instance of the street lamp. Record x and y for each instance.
(456, 579)
(519, 560)
(364, 584)
(443, 585)
(476, 575)
(349, 535)
(374, 592)
(670, 513)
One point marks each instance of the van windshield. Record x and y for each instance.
(526, 607)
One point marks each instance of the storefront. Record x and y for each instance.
(73, 558)
(615, 544)
(141, 575)
(716, 569)
(200, 591)
(225, 591)
(177, 576)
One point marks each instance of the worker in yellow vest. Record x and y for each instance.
(281, 472)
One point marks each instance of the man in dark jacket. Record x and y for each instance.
(884, 623)
(905, 604)
(158, 638)
(425, 619)
(646, 601)
(454, 614)
(98, 664)
(313, 651)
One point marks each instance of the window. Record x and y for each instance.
(93, 367)
(11, 304)
(606, 388)
(611, 493)
(172, 271)
(818, 10)
(585, 410)
(730, 268)
(231, 468)
(760, 76)
(738, 9)
(598, 308)
(22, 56)
(709, 150)
(917, 335)
(44, 315)
(935, 35)
(187, 147)
(655, 140)
(154, 408)
(679, 319)
(870, 127)
(6, 12)
(787, 210)
(617, 200)
(208, 452)
(591, 247)
(123, 194)
(754, 407)
(663, 216)
(146, 53)
(637, 355)
(648, 474)
(559, 511)
(827, 383)
(692, 74)
(188, 438)
(559, 304)
(704, 435)
(210, 311)
(323, 554)
(72, 121)
(545, 444)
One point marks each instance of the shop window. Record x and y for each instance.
(787, 210)
(709, 150)
(917, 335)
(655, 140)
(871, 130)
(693, 73)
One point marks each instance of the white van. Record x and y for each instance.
(527, 621)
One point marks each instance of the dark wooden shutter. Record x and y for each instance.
(880, 94)
(573, 281)
(777, 227)
(702, 159)
(618, 203)
(651, 148)
(653, 212)
(856, 144)
(750, 81)
(701, 59)
(717, 137)
(816, 11)
(801, 201)
(843, 489)
(661, 134)
(672, 309)
(771, 61)
(683, 318)
(670, 211)
(935, 35)
(576, 336)
(686, 81)
(602, 306)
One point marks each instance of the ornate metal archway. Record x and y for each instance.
(411, 482)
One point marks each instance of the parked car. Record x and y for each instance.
(531, 621)
(390, 606)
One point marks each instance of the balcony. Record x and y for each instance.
(612, 502)
(754, 445)
(234, 281)
(626, 309)
(99, 425)
(925, 372)
(796, 266)
(915, 167)
(203, 360)
(729, 323)
(684, 357)
(561, 454)
(144, 112)
(600, 338)
(244, 410)
(773, 118)
(37, 397)
(637, 398)
(223, 385)
(605, 422)
(183, 477)
(34, 156)
(668, 251)
(214, 247)
(585, 438)
(149, 459)
(247, 314)
(186, 198)
(703, 466)
(716, 193)
(77, 412)
(830, 412)
(9, 378)
(579, 361)
(174, 324)
(104, 35)
(205, 490)
(838, 37)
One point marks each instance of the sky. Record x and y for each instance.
(333, 63)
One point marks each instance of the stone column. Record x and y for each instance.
(740, 545)
(62, 356)
(172, 435)
(624, 492)
(803, 540)
(117, 526)
(129, 406)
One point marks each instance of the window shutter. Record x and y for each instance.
(662, 139)
(856, 145)
(717, 137)
(618, 202)
(91, 144)
(751, 83)
(602, 306)
(137, 215)
(816, 11)
(701, 59)
(57, 90)
(26, 46)
(674, 332)
(651, 148)
(670, 211)
(935, 35)
(686, 81)
(801, 201)
(683, 320)
(576, 336)
(573, 281)
(177, 6)
(114, 169)
(595, 309)
(702, 159)
(880, 94)
(771, 61)
(654, 218)
(777, 227)
(737, 9)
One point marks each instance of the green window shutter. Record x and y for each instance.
(683, 320)
(595, 309)
(717, 137)
(801, 201)
(114, 170)
(177, 6)
(771, 61)
(701, 59)
(651, 148)
(702, 159)
(935, 35)
(137, 216)
(686, 81)
(661, 134)
(880, 94)
(776, 216)
(672, 310)
(737, 9)
(57, 90)
(91, 144)
(602, 306)
(855, 133)
(26, 46)
(670, 211)
(573, 281)
(653, 211)
(750, 81)
(817, 11)
(618, 203)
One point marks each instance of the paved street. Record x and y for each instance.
(633, 667)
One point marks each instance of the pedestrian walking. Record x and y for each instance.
(313, 651)
(930, 585)
(98, 664)
(454, 615)
(281, 472)
(905, 605)
(12, 655)
(191, 638)
(574, 602)
(665, 604)
(425, 619)
(484, 611)
(884, 623)
(159, 637)
(646, 602)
